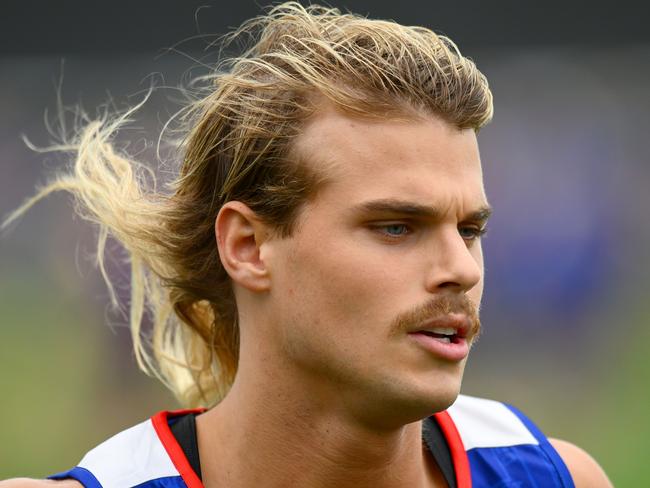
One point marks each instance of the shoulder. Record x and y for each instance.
(29, 483)
(120, 456)
(144, 452)
(486, 423)
(584, 469)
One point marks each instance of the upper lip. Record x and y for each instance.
(460, 322)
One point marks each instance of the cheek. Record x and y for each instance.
(476, 293)
(338, 300)
(338, 291)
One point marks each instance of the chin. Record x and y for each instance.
(434, 391)
(403, 403)
(436, 399)
(443, 400)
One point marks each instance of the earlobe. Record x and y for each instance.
(240, 234)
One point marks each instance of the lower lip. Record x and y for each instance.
(451, 351)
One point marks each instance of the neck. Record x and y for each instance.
(270, 433)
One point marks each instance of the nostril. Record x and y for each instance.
(449, 284)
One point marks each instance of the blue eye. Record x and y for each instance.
(394, 230)
(472, 233)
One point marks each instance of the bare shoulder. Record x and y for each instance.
(29, 483)
(584, 469)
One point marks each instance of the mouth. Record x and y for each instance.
(445, 337)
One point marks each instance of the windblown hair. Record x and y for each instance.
(238, 146)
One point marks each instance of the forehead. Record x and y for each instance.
(424, 159)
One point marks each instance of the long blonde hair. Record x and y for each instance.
(237, 146)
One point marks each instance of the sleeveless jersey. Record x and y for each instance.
(492, 445)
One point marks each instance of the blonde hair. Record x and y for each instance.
(238, 147)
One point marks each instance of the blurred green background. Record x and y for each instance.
(566, 312)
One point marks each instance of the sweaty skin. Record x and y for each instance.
(328, 392)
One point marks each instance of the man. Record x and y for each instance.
(315, 277)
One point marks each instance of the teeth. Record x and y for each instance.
(446, 340)
(443, 331)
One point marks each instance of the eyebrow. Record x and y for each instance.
(405, 207)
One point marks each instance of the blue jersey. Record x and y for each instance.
(491, 445)
(495, 445)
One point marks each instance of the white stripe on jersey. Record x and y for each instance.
(487, 423)
(137, 452)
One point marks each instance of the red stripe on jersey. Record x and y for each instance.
(173, 448)
(456, 448)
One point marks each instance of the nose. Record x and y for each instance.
(455, 265)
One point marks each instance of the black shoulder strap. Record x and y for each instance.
(184, 429)
(437, 444)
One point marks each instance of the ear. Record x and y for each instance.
(240, 234)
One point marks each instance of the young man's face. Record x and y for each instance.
(386, 253)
